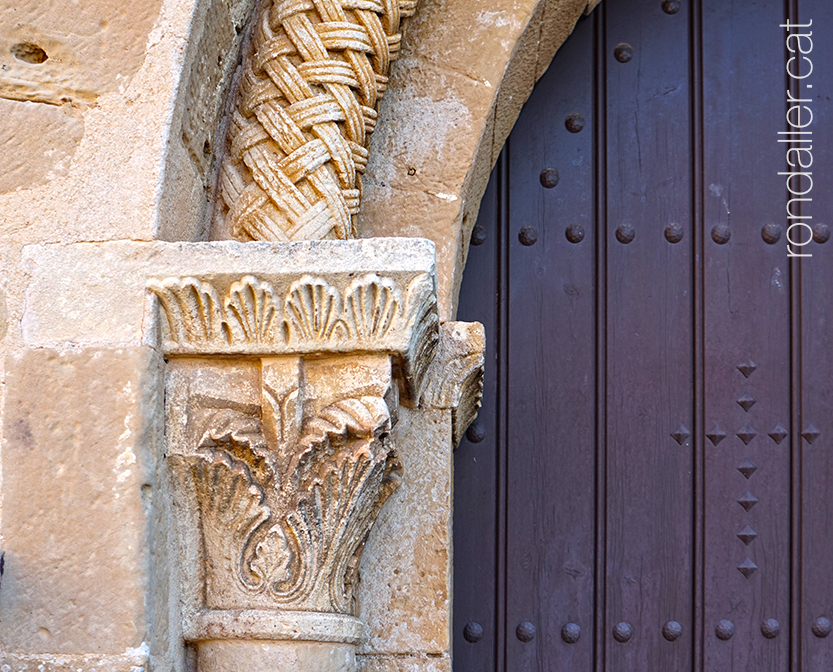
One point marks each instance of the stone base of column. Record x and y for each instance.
(275, 656)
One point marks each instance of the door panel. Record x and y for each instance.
(648, 336)
(477, 459)
(649, 483)
(814, 461)
(551, 374)
(747, 318)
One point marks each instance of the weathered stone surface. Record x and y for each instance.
(447, 114)
(147, 82)
(37, 142)
(77, 437)
(95, 293)
(455, 379)
(66, 52)
(4, 315)
(405, 575)
(225, 656)
(133, 660)
(404, 663)
(92, 53)
(219, 28)
(266, 624)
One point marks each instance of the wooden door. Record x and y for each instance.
(649, 485)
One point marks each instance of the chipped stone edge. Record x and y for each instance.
(132, 660)
(455, 378)
(264, 624)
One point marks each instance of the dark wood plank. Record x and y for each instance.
(649, 317)
(550, 523)
(816, 540)
(476, 462)
(747, 317)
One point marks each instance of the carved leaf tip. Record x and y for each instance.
(313, 310)
(250, 311)
(192, 309)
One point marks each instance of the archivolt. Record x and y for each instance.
(465, 71)
(306, 104)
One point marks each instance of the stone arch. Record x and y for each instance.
(447, 114)
(442, 123)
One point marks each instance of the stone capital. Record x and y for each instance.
(281, 392)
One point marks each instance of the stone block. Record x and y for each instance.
(72, 52)
(404, 664)
(225, 656)
(96, 293)
(77, 441)
(133, 660)
(37, 142)
(4, 316)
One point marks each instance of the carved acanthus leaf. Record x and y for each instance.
(422, 320)
(295, 537)
(231, 510)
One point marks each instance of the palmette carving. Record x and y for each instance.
(193, 310)
(288, 526)
(371, 306)
(252, 316)
(313, 313)
(250, 311)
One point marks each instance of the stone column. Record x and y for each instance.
(281, 391)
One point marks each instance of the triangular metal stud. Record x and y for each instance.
(747, 368)
(810, 433)
(747, 500)
(680, 434)
(746, 434)
(746, 401)
(747, 568)
(716, 435)
(747, 467)
(747, 535)
(778, 434)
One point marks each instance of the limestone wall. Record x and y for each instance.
(111, 132)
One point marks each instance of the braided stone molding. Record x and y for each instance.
(307, 103)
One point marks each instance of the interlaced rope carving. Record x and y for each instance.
(306, 107)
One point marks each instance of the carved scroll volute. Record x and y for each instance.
(455, 378)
